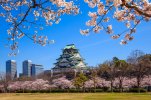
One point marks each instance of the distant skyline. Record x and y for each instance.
(94, 48)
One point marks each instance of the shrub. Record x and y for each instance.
(136, 90)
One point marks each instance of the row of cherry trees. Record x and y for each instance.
(64, 84)
(119, 75)
(36, 85)
(134, 71)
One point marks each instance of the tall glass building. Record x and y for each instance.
(11, 68)
(27, 68)
(36, 69)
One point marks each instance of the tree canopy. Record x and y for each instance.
(25, 15)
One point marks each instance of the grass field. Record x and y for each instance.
(76, 96)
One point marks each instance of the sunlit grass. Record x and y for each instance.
(77, 96)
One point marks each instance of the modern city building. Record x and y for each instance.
(48, 73)
(27, 64)
(20, 75)
(36, 69)
(11, 69)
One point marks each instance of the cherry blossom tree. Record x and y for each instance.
(26, 85)
(35, 85)
(63, 83)
(40, 84)
(5, 80)
(122, 71)
(23, 16)
(127, 83)
(99, 83)
(15, 86)
(108, 72)
(146, 82)
(103, 83)
(1, 88)
(89, 84)
(129, 12)
(94, 78)
(141, 66)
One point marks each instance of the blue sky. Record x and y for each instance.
(94, 48)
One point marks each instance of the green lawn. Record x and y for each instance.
(76, 96)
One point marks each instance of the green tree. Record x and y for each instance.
(80, 80)
(122, 71)
(115, 59)
(107, 71)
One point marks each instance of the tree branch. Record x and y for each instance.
(140, 11)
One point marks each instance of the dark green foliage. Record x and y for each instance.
(137, 89)
(80, 80)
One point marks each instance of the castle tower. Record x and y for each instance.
(69, 61)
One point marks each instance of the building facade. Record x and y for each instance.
(36, 69)
(11, 69)
(27, 64)
(20, 75)
(69, 61)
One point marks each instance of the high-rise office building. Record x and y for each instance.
(36, 69)
(20, 75)
(27, 68)
(11, 69)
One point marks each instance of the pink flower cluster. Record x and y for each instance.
(126, 82)
(16, 14)
(98, 82)
(130, 12)
(38, 84)
(63, 83)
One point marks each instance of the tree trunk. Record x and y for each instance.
(138, 84)
(121, 86)
(83, 88)
(94, 85)
(111, 85)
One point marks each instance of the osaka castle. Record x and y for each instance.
(69, 61)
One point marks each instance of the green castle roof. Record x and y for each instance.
(71, 58)
(70, 46)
